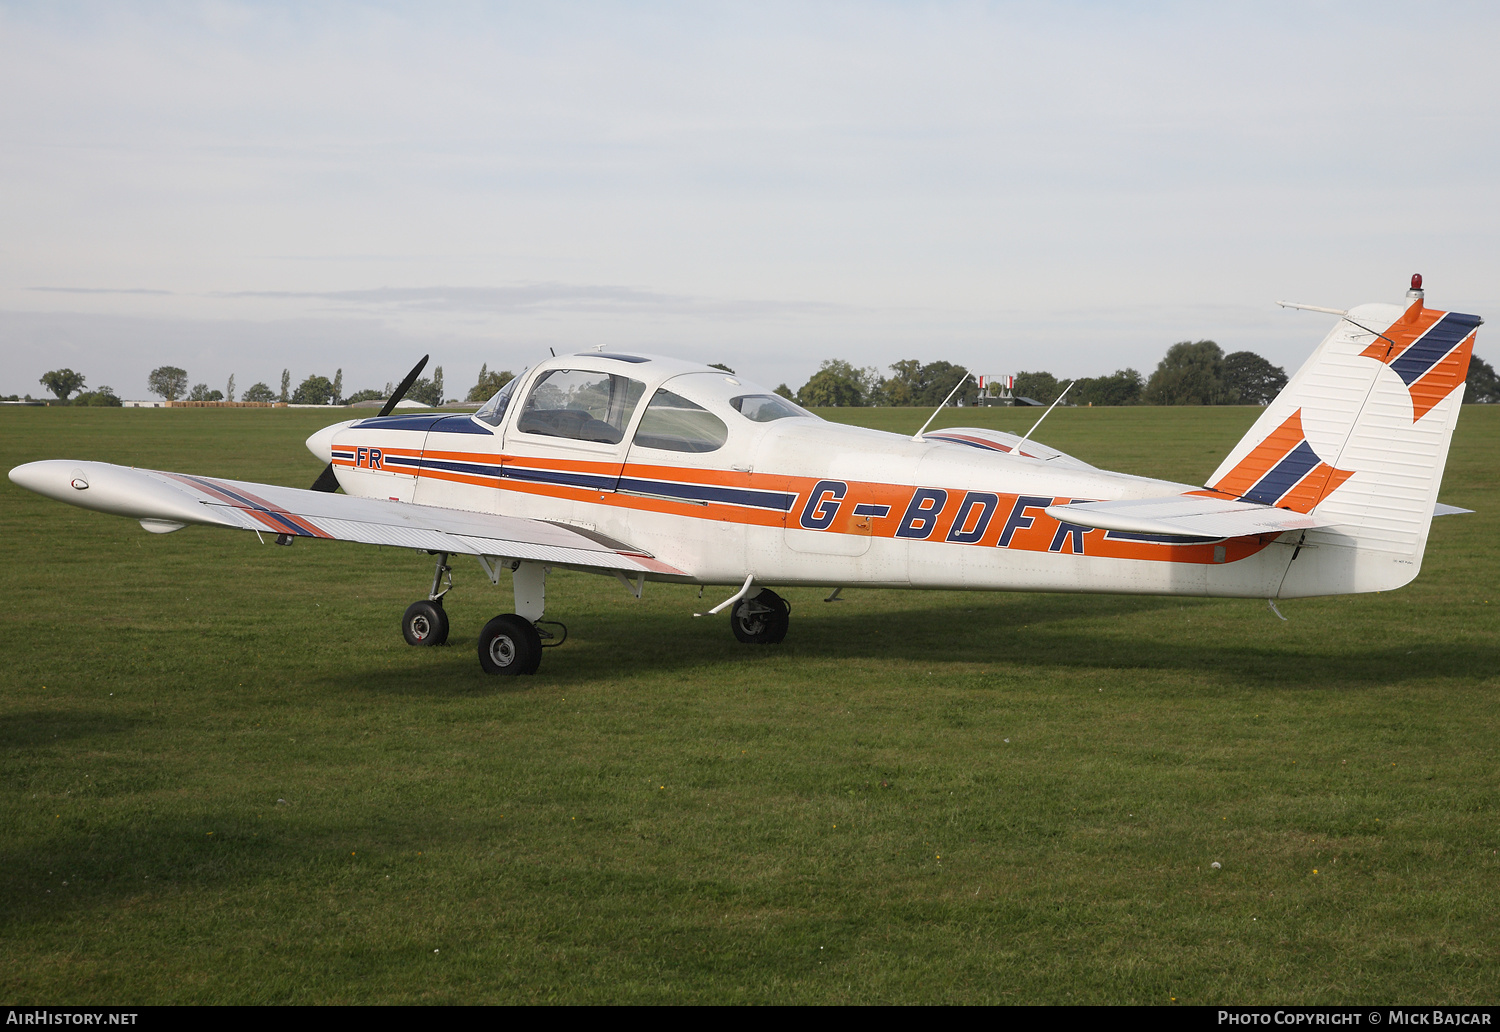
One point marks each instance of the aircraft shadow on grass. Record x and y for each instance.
(1033, 632)
(45, 728)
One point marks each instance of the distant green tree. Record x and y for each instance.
(364, 395)
(1482, 386)
(229, 389)
(939, 380)
(202, 393)
(1192, 373)
(315, 390)
(721, 365)
(259, 392)
(428, 392)
(838, 383)
(904, 386)
(785, 391)
(104, 397)
(1042, 387)
(1252, 379)
(1122, 388)
(338, 386)
(912, 383)
(168, 381)
(62, 382)
(489, 383)
(827, 390)
(286, 385)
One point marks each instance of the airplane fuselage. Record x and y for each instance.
(794, 500)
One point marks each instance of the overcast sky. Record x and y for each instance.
(1071, 187)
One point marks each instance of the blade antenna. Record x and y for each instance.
(963, 380)
(1017, 449)
(328, 481)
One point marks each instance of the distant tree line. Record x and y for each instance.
(171, 383)
(1191, 373)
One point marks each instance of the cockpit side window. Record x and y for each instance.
(581, 405)
(763, 408)
(672, 423)
(493, 411)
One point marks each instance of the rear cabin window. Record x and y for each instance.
(581, 405)
(672, 423)
(763, 408)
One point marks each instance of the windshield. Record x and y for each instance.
(493, 410)
(581, 405)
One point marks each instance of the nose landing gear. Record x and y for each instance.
(425, 623)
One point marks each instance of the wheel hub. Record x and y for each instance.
(503, 650)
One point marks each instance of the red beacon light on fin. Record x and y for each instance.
(1416, 281)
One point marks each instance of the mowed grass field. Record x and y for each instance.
(224, 778)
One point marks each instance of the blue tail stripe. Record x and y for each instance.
(1444, 336)
(1284, 476)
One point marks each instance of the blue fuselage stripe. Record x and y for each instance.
(776, 500)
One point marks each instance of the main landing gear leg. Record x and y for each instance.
(512, 643)
(426, 622)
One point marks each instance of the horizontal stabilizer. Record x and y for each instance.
(1185, 516)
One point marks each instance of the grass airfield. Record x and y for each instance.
(226, 779)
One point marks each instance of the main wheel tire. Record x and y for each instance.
(509, 645)
(761, 620)
(425, 623)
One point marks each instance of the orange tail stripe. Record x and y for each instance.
(1263, 457)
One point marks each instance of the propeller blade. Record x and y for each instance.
(328, 481)
(400, 392)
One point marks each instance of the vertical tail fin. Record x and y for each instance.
(1360, 436)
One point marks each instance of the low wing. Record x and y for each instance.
(1186, 516)
(168, 501)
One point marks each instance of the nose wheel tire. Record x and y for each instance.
(425, 623)
(509, 645)
(761, 620)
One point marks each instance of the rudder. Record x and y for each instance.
(1359, 436)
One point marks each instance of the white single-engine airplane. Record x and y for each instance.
(658, 469)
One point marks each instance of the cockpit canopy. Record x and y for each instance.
(689, 411)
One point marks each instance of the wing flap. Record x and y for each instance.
(1185, 516)
(267, 508)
